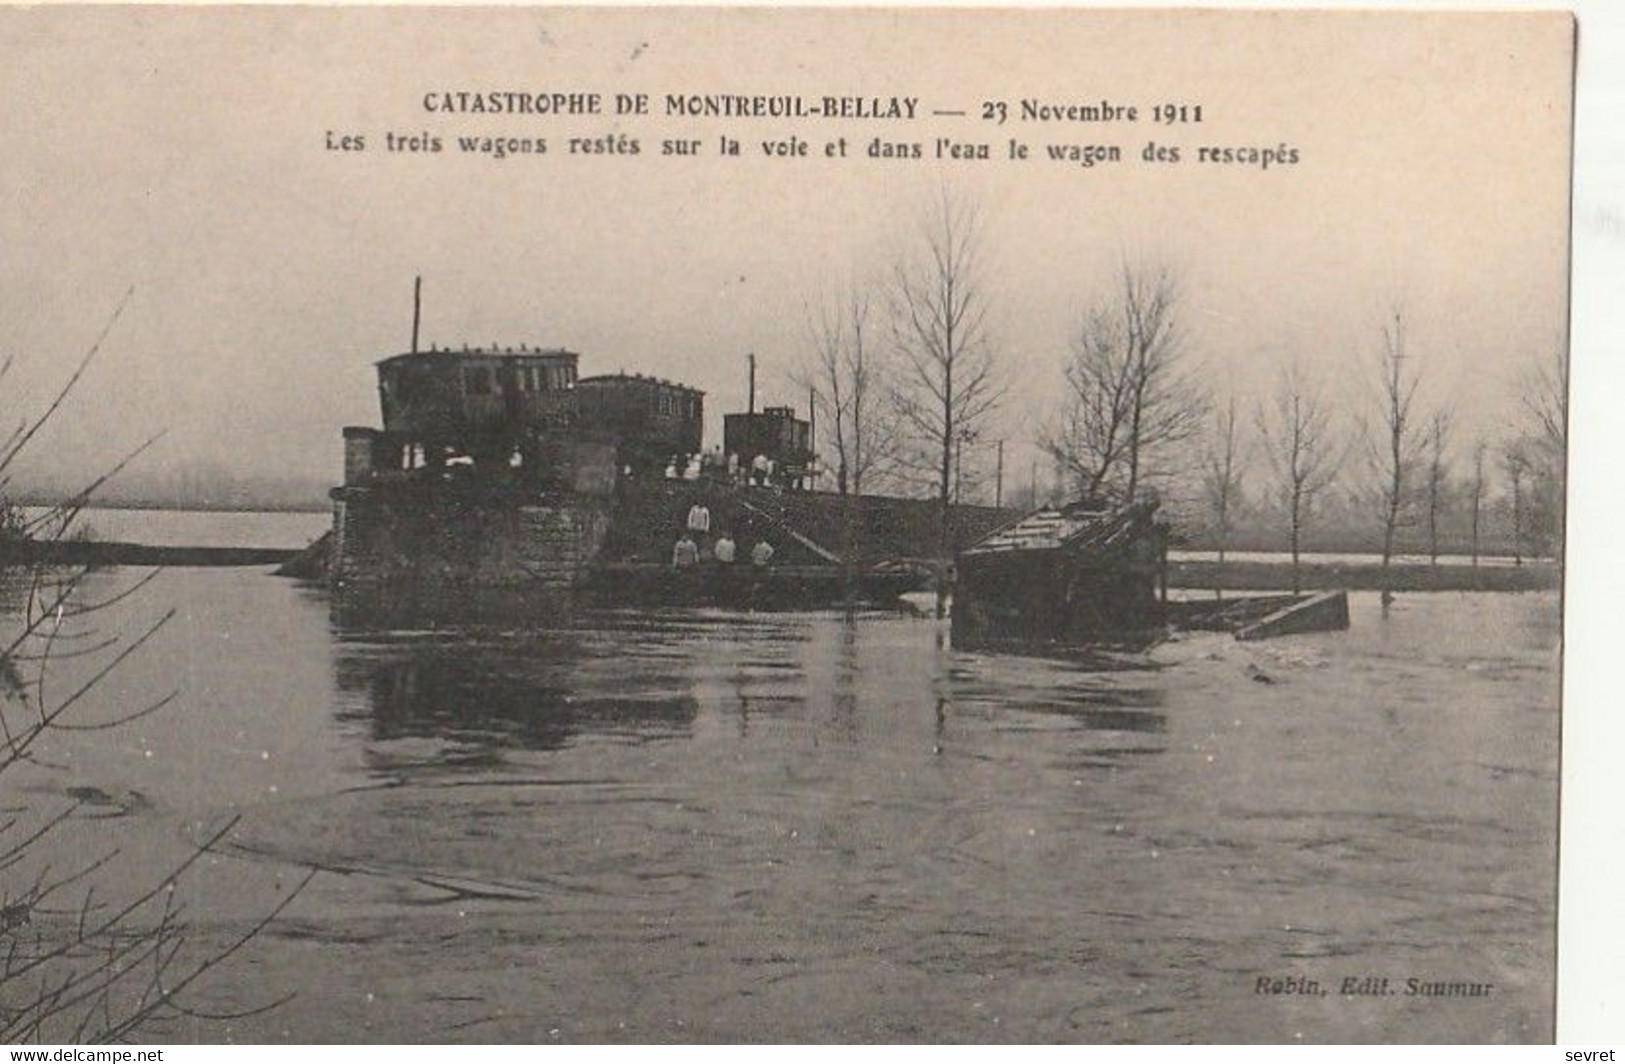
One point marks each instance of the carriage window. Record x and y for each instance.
(477, 380)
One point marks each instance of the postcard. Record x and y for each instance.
(529, 525)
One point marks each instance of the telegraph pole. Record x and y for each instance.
(750, 406)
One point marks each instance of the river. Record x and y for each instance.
(707, 826)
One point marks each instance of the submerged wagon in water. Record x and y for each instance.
(1082, 573)
(1090, 574)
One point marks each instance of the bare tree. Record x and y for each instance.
(1090, 439)
(1128, 402)
(1438, 438)
(1476, 493)
(1515, 462)
(1296, 432)
(946, 383)
(1224, 463)
(80, 960)
(845, 372)
(1543, 394)
(1167, 409)
(1394, 443)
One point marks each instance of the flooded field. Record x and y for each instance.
(692, 826)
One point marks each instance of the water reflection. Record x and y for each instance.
(477, 694)
(405, 606)
(874, 680)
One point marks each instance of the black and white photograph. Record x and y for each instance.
(713, 525)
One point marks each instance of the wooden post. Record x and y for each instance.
(750, 404)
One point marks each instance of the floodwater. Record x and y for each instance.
(710, 826)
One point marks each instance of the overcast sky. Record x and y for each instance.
(182, 153)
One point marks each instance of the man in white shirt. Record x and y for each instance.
(699, 518)
(761, 554)
(724, 549)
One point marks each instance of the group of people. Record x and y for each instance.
(689, 552)
(709, 465)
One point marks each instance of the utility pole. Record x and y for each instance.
(417, 310)
(750, 405)
(998, 480)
